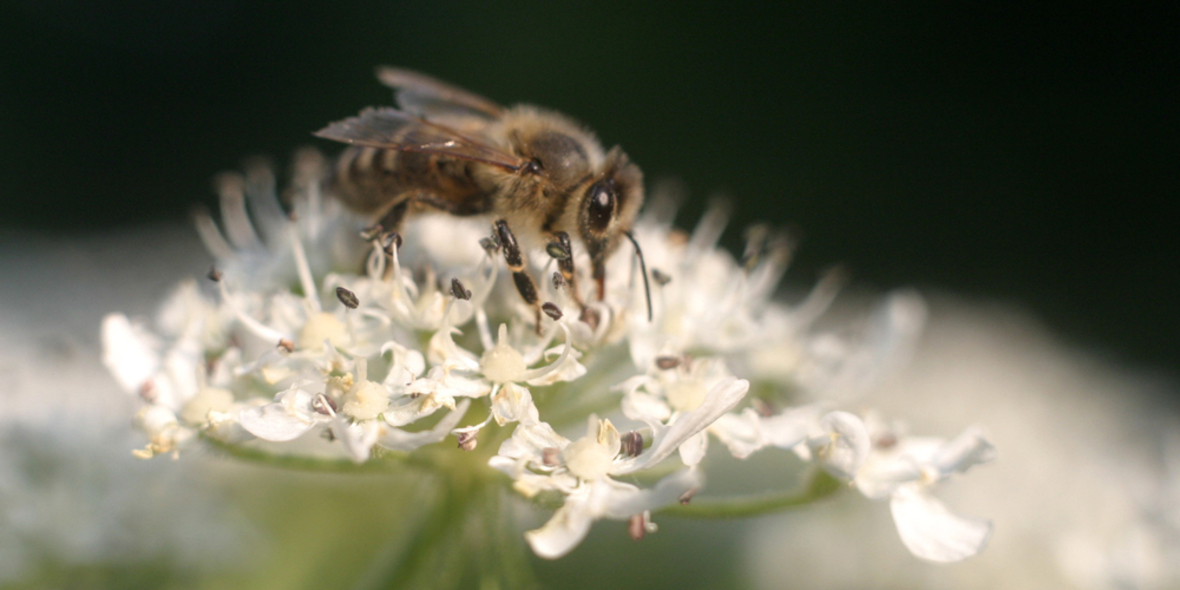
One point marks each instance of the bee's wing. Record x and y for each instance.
(427, 97)
(388, 128)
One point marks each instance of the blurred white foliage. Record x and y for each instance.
(1086, 494)
(70, 494)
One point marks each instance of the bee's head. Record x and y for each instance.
(609, 206)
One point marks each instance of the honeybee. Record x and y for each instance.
(539, 174)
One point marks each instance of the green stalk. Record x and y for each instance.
(820, 487)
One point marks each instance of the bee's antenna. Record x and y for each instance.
(643, 268)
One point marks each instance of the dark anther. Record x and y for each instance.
(886, 441)
(348, 298)
(286, 345)
(660, 278)
(489, 245)
(147, 391)
(632, 443)
(763, 408)
(551, 310)
(558, 251)
(458, 291)
(323, 404)
(371, 232)
(686, 497)
(637, 527)
(389, 241)
(665, 363)
(558, 281)
(591, 317)
(550, 456)
(421, 274)
(467, 440)
(214, 274)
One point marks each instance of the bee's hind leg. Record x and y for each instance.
(392, 217)
(512, 255)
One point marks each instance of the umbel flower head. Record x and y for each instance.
(318, 341)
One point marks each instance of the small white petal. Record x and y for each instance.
(320, 327)
(604, 498)
(407, 365)
(209, 399)
(128, 351)
(358, 438)
(963, 452)
(566, 529)
(723, 397)
(932, 532)
(880, 476)
(530, 484)
(846, 446)
(693, 449)
(739, 432)
(529, 441)
(440, 386)
(275, 422)
(409, 411)
(646, 408)
(899, 320)
(156, 419)
(442, 350)
(625, 500)
(510, 467)
(514, 403)
(565, 368)
(791, 427)
(400, 440)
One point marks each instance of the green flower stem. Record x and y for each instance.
(821, 486)
(432, 560)
(467, 541)
(507, 565)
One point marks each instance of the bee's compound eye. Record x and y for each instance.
(600, 204)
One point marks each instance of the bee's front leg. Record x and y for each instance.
(512, 255)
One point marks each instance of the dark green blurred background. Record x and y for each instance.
(1025, 154)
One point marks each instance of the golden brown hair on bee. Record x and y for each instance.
(541, 175)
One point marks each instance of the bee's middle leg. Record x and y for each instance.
(515, 259)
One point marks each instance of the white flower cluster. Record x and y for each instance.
(298, 354)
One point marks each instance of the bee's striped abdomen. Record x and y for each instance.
(374, 181)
